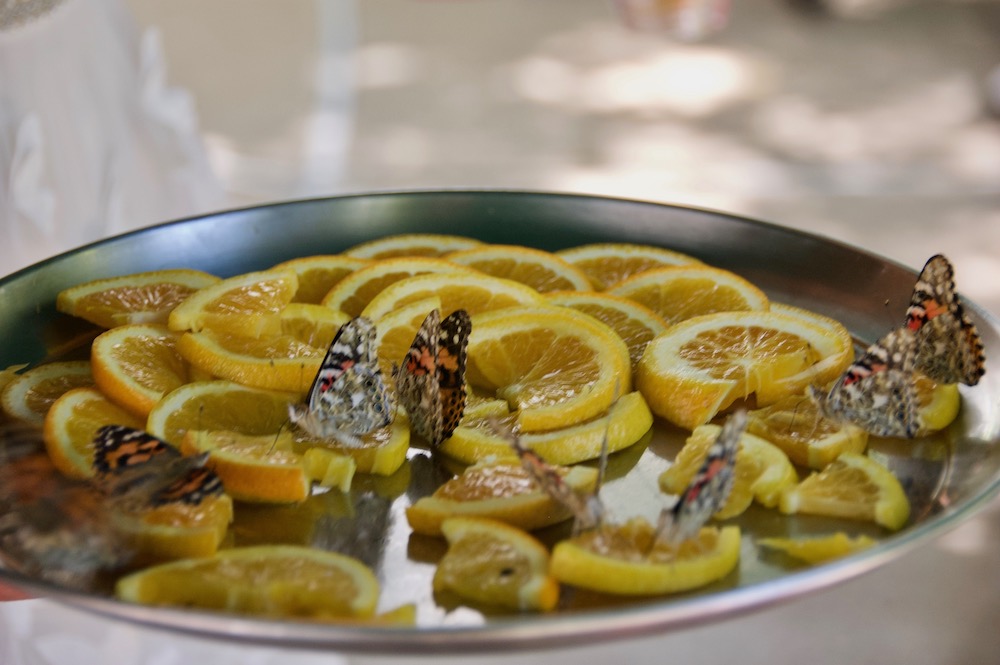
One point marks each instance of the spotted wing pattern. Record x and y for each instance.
(431, 380)
(348, 397)
(135, 467)
(877, 392)
(708, 490)
(949, 349)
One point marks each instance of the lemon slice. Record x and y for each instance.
(538, 269)
(820, 549)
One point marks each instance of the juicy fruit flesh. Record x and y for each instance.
(40, 397)
(157, 297)
(266, 296)
(687, 298)
(487, 483)
(484, 568)
(633, 542)
(152, 362)
(729, 352)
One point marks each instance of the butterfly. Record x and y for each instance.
(348, 397)
(708, 491)
(139, 471)
(431, 380)
(878, 391)
(949, 349)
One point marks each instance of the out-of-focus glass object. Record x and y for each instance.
(684, 19)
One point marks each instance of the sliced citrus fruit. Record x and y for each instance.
(411, 244)
(623, 424)
(677, 293)
(761, 473)
(269, 580)
(498, 489)
(819, 549)
(824, 370)
(555, 366)
(937, 403)
(29, 396)
(314, 325)
(623, 560)
(635, 324)
(248, 304)
(473, 292)
(146, 297)
(330, 468)
(701, 366)
(854, 487)
(218, 406)
(318, 274)
(606, 264)
(538, 269)
(394, 332)
(795, 425)
(279, 362)
(492, 563)
(251, 468)
(72, 423)
(382, 451)
(136, 365)
(176, 530)
(355, 291)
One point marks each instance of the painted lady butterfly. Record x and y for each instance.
(431, 381)
(348, 397)
(708, 490)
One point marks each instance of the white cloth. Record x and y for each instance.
(92, 141)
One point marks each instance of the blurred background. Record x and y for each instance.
(874, 122)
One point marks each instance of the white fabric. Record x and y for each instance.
(92, 140)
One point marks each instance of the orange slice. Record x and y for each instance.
(500, 490)
(494, 564)
(29, 396)
(701, 366)
(146, 297)
(72, 424)
(820, 549)
(394, 332)
(540, 270)
(677, 293)
(318, 274)
(411, 244)
(176, 530)
(310, 324)
(382, 452)
(280, 581)
(249, 304)
(622, 559)
(607, 264)
(136, 365)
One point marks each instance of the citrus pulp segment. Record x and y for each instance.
(248, 304)
(310, 324)
(607, 264)
(542, 271)
(136, 365)
(29, 396)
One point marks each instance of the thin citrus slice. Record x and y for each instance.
(623, 560)
(606, 264)
(854, 487)
(820, 549)
(318, 274)
(29, 396)
(538, 269)
(395, 331)
(761, 473)
(72, 423)
(279, 362)
(826, 369)
(498, 489)
(218, 406)
(271, 580)
(411, 244)
(938, 404)
(355, 291)
(555, 366)
(795, 425)
(330, 468)
(136, 365)
(251, 468)
(701, 366)
(492, 563)
(677, 293)
(176, 530)
(146, 297)
(314, 325)
(473, 292)
(382, 451)
(623, 424)
(248, 304)
(635, 324)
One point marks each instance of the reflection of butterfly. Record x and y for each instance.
(348, 397)
(431, 381)
(949, 349)
(708, 490)
(877, 392)
(142, 471)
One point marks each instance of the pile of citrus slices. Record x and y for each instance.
(579, 351)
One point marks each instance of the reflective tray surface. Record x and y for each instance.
(947, 477)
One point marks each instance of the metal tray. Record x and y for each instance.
(947, 477)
